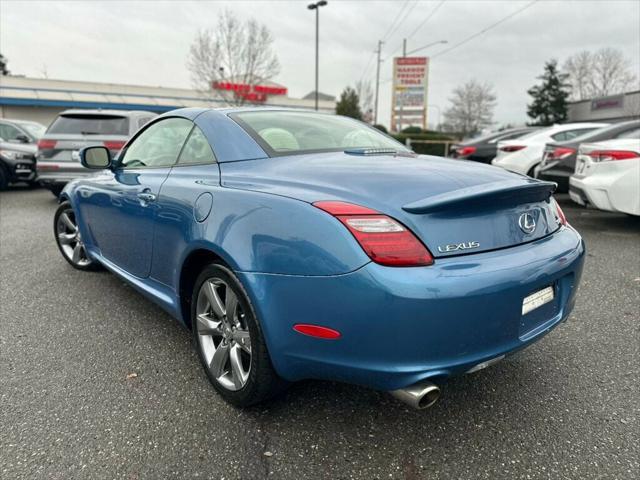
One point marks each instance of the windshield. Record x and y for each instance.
(284, 133)
(34, 129)
(91, 125)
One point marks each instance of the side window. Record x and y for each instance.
(635, 133)
(571, 134)
(158, 145)
(8, 132)
(197, 149)
(559, 137)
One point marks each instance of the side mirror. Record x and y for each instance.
(97, 158)
(22, 138)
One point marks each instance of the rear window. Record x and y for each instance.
(90, 125)
(286, 132)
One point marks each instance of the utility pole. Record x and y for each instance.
(375, 109)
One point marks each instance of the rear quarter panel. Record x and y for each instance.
(250, 231)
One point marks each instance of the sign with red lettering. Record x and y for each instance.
(251, 93)
(409, 94)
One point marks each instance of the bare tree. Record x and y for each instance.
(579, 67)
(598, 74)
(471, 108)
(365, 94)
(234, 51)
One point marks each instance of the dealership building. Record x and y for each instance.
(41, 99)
(614, 108)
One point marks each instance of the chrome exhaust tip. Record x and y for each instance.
(419, 396)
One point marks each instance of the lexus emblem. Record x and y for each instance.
(527, 223)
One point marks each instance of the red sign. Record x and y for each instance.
(252, 93)
(411, 61)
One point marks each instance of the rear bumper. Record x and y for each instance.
(60, 173)
(403, 325)
(614, 187)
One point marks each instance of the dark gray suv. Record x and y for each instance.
(17, 151)
(58, 160)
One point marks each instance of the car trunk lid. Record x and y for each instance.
(455, 207)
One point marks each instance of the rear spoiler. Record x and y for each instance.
(522, 190)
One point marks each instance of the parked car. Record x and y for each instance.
(607, 176)
(306, 245)
(525, 153)
(559, 158)
(17, 151)
(483, 149)
(57, 160)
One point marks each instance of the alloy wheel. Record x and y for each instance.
(223, 334)
(70, 240)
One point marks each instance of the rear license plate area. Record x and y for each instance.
(538, 307)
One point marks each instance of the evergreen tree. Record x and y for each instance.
(3, 65)
(549, 104)
(349, 104)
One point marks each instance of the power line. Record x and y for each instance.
(407, 13)
(366, 69)
(484, 30)
(384, 37)
(420, 25)
(431, 14)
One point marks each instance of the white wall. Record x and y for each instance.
(43, 115)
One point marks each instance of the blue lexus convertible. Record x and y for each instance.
(305, 245)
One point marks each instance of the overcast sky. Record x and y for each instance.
(146, 42)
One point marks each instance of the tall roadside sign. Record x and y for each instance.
(409, 94)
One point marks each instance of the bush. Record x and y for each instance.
(380, 127)
(426, 148)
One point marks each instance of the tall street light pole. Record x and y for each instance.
(316, 6)
(375, 106)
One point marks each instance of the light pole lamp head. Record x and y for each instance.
(314, 6)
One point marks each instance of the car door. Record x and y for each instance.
(121, 205)
(185, 203)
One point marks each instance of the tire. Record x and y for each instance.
(55, 190)
(4, 179)
(69, 241)
(253, 380)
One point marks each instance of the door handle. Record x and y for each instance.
(146, 197)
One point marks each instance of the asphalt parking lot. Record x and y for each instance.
(97, 382)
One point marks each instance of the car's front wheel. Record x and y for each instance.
(229, 339)
(69, 239)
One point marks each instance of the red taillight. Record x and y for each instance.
(559, 213)
(511, 148)
(383, 239)
(114, 144)
(607, 155)
(561, 152)
(45, 144)
(466, 151)
(317, 331)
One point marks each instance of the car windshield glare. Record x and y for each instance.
(287, 133)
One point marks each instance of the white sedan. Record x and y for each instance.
(522, 155)
(607, 176)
